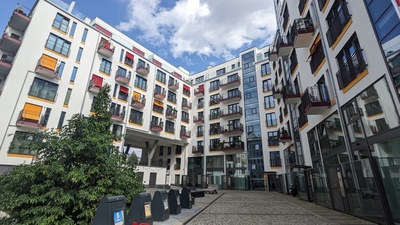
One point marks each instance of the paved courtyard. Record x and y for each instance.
(255, 207)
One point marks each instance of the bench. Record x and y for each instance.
(212, 189)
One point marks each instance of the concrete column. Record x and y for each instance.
(150, 151)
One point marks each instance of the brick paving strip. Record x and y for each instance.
(252, 207)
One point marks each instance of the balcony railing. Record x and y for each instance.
(93, 87)
(25, 119)
(215, 115)
(200, 133)
(10, 43)
(199, 92)
(44, 69)
(215, 130)
(186, 106)
(173, 85)
(170, 129)
(117, 115)
(215, 100)
(231, 97)
(232, 129)
(370, 94)
(232, 113)
(198, 119)
(285, 45)
(315, 100)
(230, 82)
(338, 23)
(20, 18)
(200, 105)
(171, 114)
(273, 53)
(290, 95)
(284, 136)
(232, 146)
(156, 126)
(106, 48)
(198, 149)
(276, 93)
(143, 69)
(185, 134)
(159, 93)
(351, 69)
(215, 147)
(121, 77)
(138, 102)
(136, 120)
(302, 32)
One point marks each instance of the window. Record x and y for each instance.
(317, 55)
(60, 69)
(79, 55)
(293, 61)
(170, 127)
(141, 83)
(269, 102)
(200, 131)
(373, 108)
(136, 117)
(61, 120)
(61, 23)
(161, 151)
(121, 56)
(233, 93)
(72, 31)
(117, 131)
(115, 90)
(337, 19)
(186, 90)
(233, 66)
(46, 117)
(214, 85)
(215, 128)
(85, 32)
(215, 113)
(43, 89)
(220, 72)
(266, 55)
(105, 66)
(123, 93)
(178, 164)
(275, 158)
(248, 95)
(199, 79)
(271, 119)
(200, 103)
(58, 45)
(73, 75)
(265, 69)
(233, 78)
(21, 142)
(273, 138)
(158, 106)
(67, 96)
(171, 97)
(214, 99)
(185, 117)
(178, 150)
(214, 144)
(267, 85)
(160, 76)
(128, 59)
(351, 62)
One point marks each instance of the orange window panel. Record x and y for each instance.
(48, 62)
(31, 111)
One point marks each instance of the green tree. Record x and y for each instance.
(73, 170)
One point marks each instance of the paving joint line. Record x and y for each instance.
(203, 209)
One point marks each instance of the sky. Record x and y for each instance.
(193, 34)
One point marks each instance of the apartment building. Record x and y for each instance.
(335, 68)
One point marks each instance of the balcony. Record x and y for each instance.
(138, 102)
(186, 106)
(370, 94)
(199, 92)
(47, 67)
(338, 23)
(120, 76)
(184, 134)
(290, 95)
(230, 82)
(10, 43)
(171, 114)
(94, 87)
(197, 149)
(231, 97)
(159, 94)
(284, 136)
(351, 69)
(276, 93)
(20, 18)
(106, 48)
(173, 85)
(229, 130)
(315, 100)
(29, 119)
(156, 126)
(6, 63)
(302, 32)
(273, 54)
(285, 45)
(117, 116)
(198, 119)
(143, 69)
(232, 146)
(234, 113)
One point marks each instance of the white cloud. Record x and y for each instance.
(203, 27)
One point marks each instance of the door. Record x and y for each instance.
(336, 187)
(153, 177)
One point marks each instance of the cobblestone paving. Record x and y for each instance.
(251, 207)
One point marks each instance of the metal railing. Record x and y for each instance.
(351, 69)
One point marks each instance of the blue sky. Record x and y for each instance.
(189, 33)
